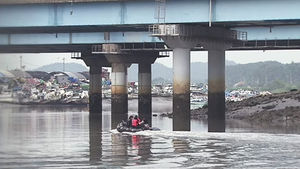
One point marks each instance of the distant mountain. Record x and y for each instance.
(69, 67)
(159, 71)
(160, 80)
(199, 71)
(269, 75)
(229, 63)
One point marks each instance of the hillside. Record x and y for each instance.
(69, 67)
(159, 71)
(270, 75)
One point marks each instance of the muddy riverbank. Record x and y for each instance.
(274, 109)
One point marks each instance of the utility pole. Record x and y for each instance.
(64, 64)
(210, 13)
(21, 63)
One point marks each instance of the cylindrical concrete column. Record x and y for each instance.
(145, 99)
(181, 89)
(95, 90)
(119, 97)
(216, 90)
(95, 126)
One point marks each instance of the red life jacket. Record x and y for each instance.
(135, 122)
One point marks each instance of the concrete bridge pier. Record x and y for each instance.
(216, 88)
(119, 91)
(95, 135)
(95, 90)
(119, 96)
(181, 38)
(181, 81)
(181, 89)
(144, 59)
(120, 60)
(144, 87)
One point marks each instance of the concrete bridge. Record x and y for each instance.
(118, 33)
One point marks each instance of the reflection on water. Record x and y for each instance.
(67, 137)
(95, 133)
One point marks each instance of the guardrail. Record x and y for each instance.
(239, 35)
(163, 30)
(76, 55)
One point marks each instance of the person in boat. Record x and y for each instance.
(129, 122)
(136, 122)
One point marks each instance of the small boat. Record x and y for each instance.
(123, 127)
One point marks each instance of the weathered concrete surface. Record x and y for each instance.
(95, 103)
(118, 89)
(119, 109)
(181, 89)
(216, 90)
(181, 70)
(145, 97)
(145, 107)
(119, 78)
(95, 134)
(181, 112)
(119, 96)
(95, 90)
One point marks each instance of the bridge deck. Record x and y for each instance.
(6, 2)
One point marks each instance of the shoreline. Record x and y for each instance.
(14, 101)
(282, 109)
(46, 104)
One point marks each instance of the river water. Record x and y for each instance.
(65, 137)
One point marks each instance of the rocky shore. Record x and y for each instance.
(274, 109)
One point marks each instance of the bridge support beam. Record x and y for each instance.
(181, 81)
(120, 61)
(181, 89)
(145, 98)
(216, 88)
(95, 134)
(182, 38)
(95, 90)
(119, 96)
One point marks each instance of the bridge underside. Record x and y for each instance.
(70, 38)
(43, 48)
(65, 48)
(10, 2)
(157, 46)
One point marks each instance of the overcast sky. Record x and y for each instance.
(33, 61)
